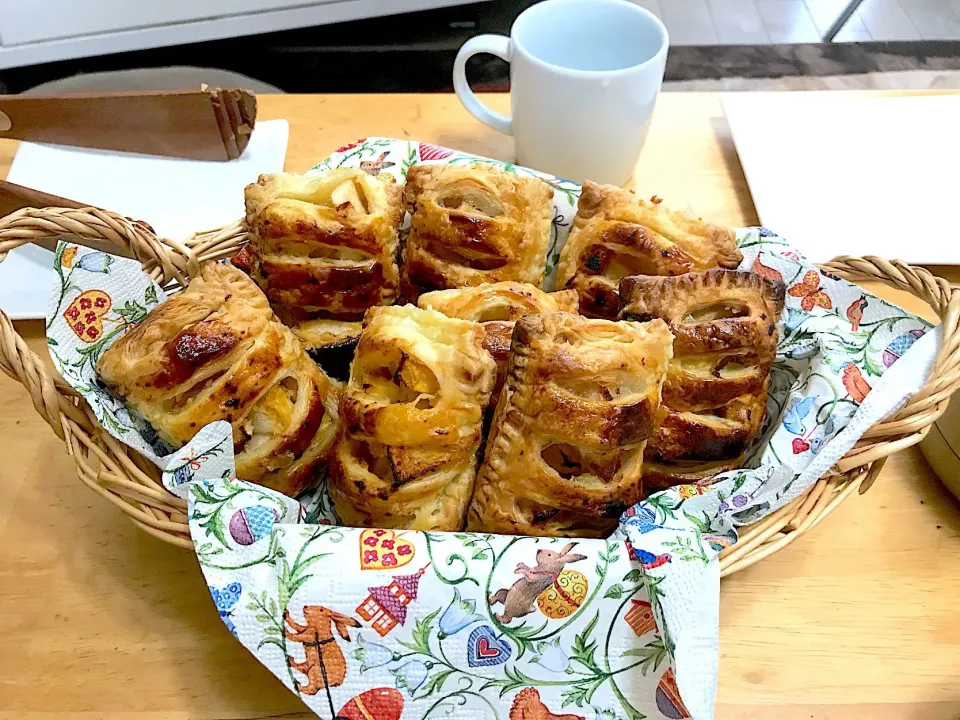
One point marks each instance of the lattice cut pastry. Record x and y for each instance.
(217, 352)
(616, 234)
(412, 416)
(323, 248)
(498, 306)
(473, 224)
(715, 395)
(565, 452)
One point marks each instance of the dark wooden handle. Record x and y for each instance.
(201, 124)
(14, 197)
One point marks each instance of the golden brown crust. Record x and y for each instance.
(473, 224)
(725, 339)
(663, 475)
(323, 248)
(412, 414)
(709, 433)
(498, 306)
(565, 451)
(217, 352)
(616, 234)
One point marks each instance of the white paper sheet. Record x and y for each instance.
(840, 174)
(176, 196)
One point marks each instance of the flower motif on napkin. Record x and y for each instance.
(85, 314)
(411, 675)
(373, 655)
(552, 657)
(95, 262)
(458, 615)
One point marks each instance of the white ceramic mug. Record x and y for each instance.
(584, 76)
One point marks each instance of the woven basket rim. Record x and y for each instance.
(122, 476)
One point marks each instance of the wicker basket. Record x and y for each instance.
(130, 481)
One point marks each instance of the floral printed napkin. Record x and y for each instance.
(382, 624)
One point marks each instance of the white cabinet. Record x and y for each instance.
(36, 31)
(30, 21)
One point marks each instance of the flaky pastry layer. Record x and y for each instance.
(473, 224)
(412, 416)
(217, 352)
(323, 248)
(498, 306)
(725, 340)
(616, 234)
(566, 447)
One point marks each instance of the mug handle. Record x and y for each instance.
(498, 45)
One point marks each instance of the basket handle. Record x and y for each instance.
(100, 230)
(166, 261)
(15, 197)
(909, 424)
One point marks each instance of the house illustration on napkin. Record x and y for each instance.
(386, 605)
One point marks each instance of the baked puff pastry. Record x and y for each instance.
(616, 234)
(412, 415)
(323, 248)
(715, 395)
(565, 452)
(662, 475)
(498, 306)
(217, 352)
(473, 224)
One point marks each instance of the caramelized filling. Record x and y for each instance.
(467, 197)
(715, 311)
(373, 455)
(569, 461)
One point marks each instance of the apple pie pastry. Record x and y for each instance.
(616, 234)
(217, 352)
(323, 248)
(473, 224)
(565, 452)
(715, 395)
(498, 306)
(660, 475)
(412, 415)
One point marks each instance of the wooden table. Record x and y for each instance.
(857, 620)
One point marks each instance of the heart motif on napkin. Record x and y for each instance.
(484, 648)
(383, 550)
(85, 314)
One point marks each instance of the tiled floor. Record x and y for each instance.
(745, 22)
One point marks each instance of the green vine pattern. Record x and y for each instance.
(591, 662)
(210, 507)
(80, 369)
(269, 612)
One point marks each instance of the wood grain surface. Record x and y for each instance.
(857, 620)
(202, 123)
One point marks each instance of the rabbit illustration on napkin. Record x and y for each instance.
(518, 600)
